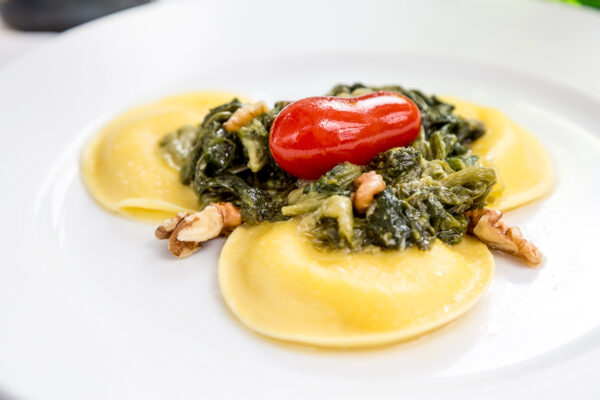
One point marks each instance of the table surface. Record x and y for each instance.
(14, 43)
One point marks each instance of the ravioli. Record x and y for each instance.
(272, 277)
(522, 164)
(278, 284)
(125, 173)
(123, 169)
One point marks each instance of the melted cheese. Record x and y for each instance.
(522, 164)
(281, 286)
(123, 169)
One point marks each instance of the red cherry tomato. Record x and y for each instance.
(312, 135)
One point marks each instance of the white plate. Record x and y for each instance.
(92, 307)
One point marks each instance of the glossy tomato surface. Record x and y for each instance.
(312, 135)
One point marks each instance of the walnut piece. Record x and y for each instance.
(186, 232)
(243, 115)
(166, 228)
(232, 217)
(178, 248)
(201, 226)
(488, 226)
(367, 186)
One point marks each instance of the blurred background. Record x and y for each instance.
(26, 24)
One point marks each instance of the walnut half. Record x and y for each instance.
(488, 226)
(244, 114)
(367, 186)
(165, 229)
(186, 232)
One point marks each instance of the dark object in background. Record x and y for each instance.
(58, 15)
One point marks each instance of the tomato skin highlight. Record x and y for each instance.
(312, 135)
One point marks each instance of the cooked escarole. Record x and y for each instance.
(406, 196)
(422, 200)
